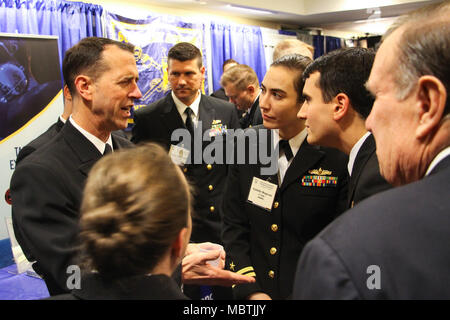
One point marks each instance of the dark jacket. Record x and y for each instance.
(46, 191)
(153, 287)
(366, 179)
(393, 245)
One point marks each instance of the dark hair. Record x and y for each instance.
(86, 57)
(298, 63)
(135, 203)
(185, 51)
(345, 71)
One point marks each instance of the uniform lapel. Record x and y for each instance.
(304, 160)
(364, 153)
(170, 115)
(270, 149)
(87, 153)
(206, 114)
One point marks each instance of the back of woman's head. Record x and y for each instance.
(135, 203)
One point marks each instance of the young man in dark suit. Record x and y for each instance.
(394, 245)
(47, 185)
(335, 109)
(198, 115)
(271, 209)
(241, 86)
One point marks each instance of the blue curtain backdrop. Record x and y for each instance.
(332, 43)
(324, 45)
(239, 42)
(70, 21)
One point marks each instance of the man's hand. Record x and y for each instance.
(259, 296)
(197, 270)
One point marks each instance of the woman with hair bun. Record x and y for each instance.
(135, 226)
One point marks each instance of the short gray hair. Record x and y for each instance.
(423, 48)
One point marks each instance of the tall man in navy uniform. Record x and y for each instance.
(394, 245)
(47, 185)
(269, 215)
(335, 109)
(185, 107)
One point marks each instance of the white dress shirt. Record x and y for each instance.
(294, 143)
(181, 107)
(441, 156)
(99, 144)
(354, 152)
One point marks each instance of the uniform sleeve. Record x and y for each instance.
(45, 220)
(136, 133)
(321, 275)
(236, 235)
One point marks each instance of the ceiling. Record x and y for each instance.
(364, 16)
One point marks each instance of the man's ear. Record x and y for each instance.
(251, 88)
(202, 70)
(431, 98)
(84, 86)
(341, 104)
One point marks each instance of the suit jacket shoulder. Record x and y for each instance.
(366, 179)
(395, 235)
(40, 140)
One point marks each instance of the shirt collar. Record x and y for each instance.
(181, 107)
(99, 144)
(354, 152)
(441, 156)
(253, 104)
(295, 142)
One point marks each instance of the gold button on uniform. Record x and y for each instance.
(184, 170)
(276, 204)
(210, 188)
(271, 274)
(274, 228)
(209, 167)
(273, 251)
(211, 208)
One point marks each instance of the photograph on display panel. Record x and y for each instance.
(30, 79)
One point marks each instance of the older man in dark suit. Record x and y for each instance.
(272, 208)
(394, 245)
(335, 109)
(46, 187)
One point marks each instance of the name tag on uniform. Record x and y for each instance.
(262, 193)
(179, 155)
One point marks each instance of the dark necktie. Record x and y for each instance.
(108, 149)
(284, 145)
(189, 122)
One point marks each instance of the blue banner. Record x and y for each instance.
(153, 37)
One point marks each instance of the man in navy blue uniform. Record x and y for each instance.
(335, 109)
